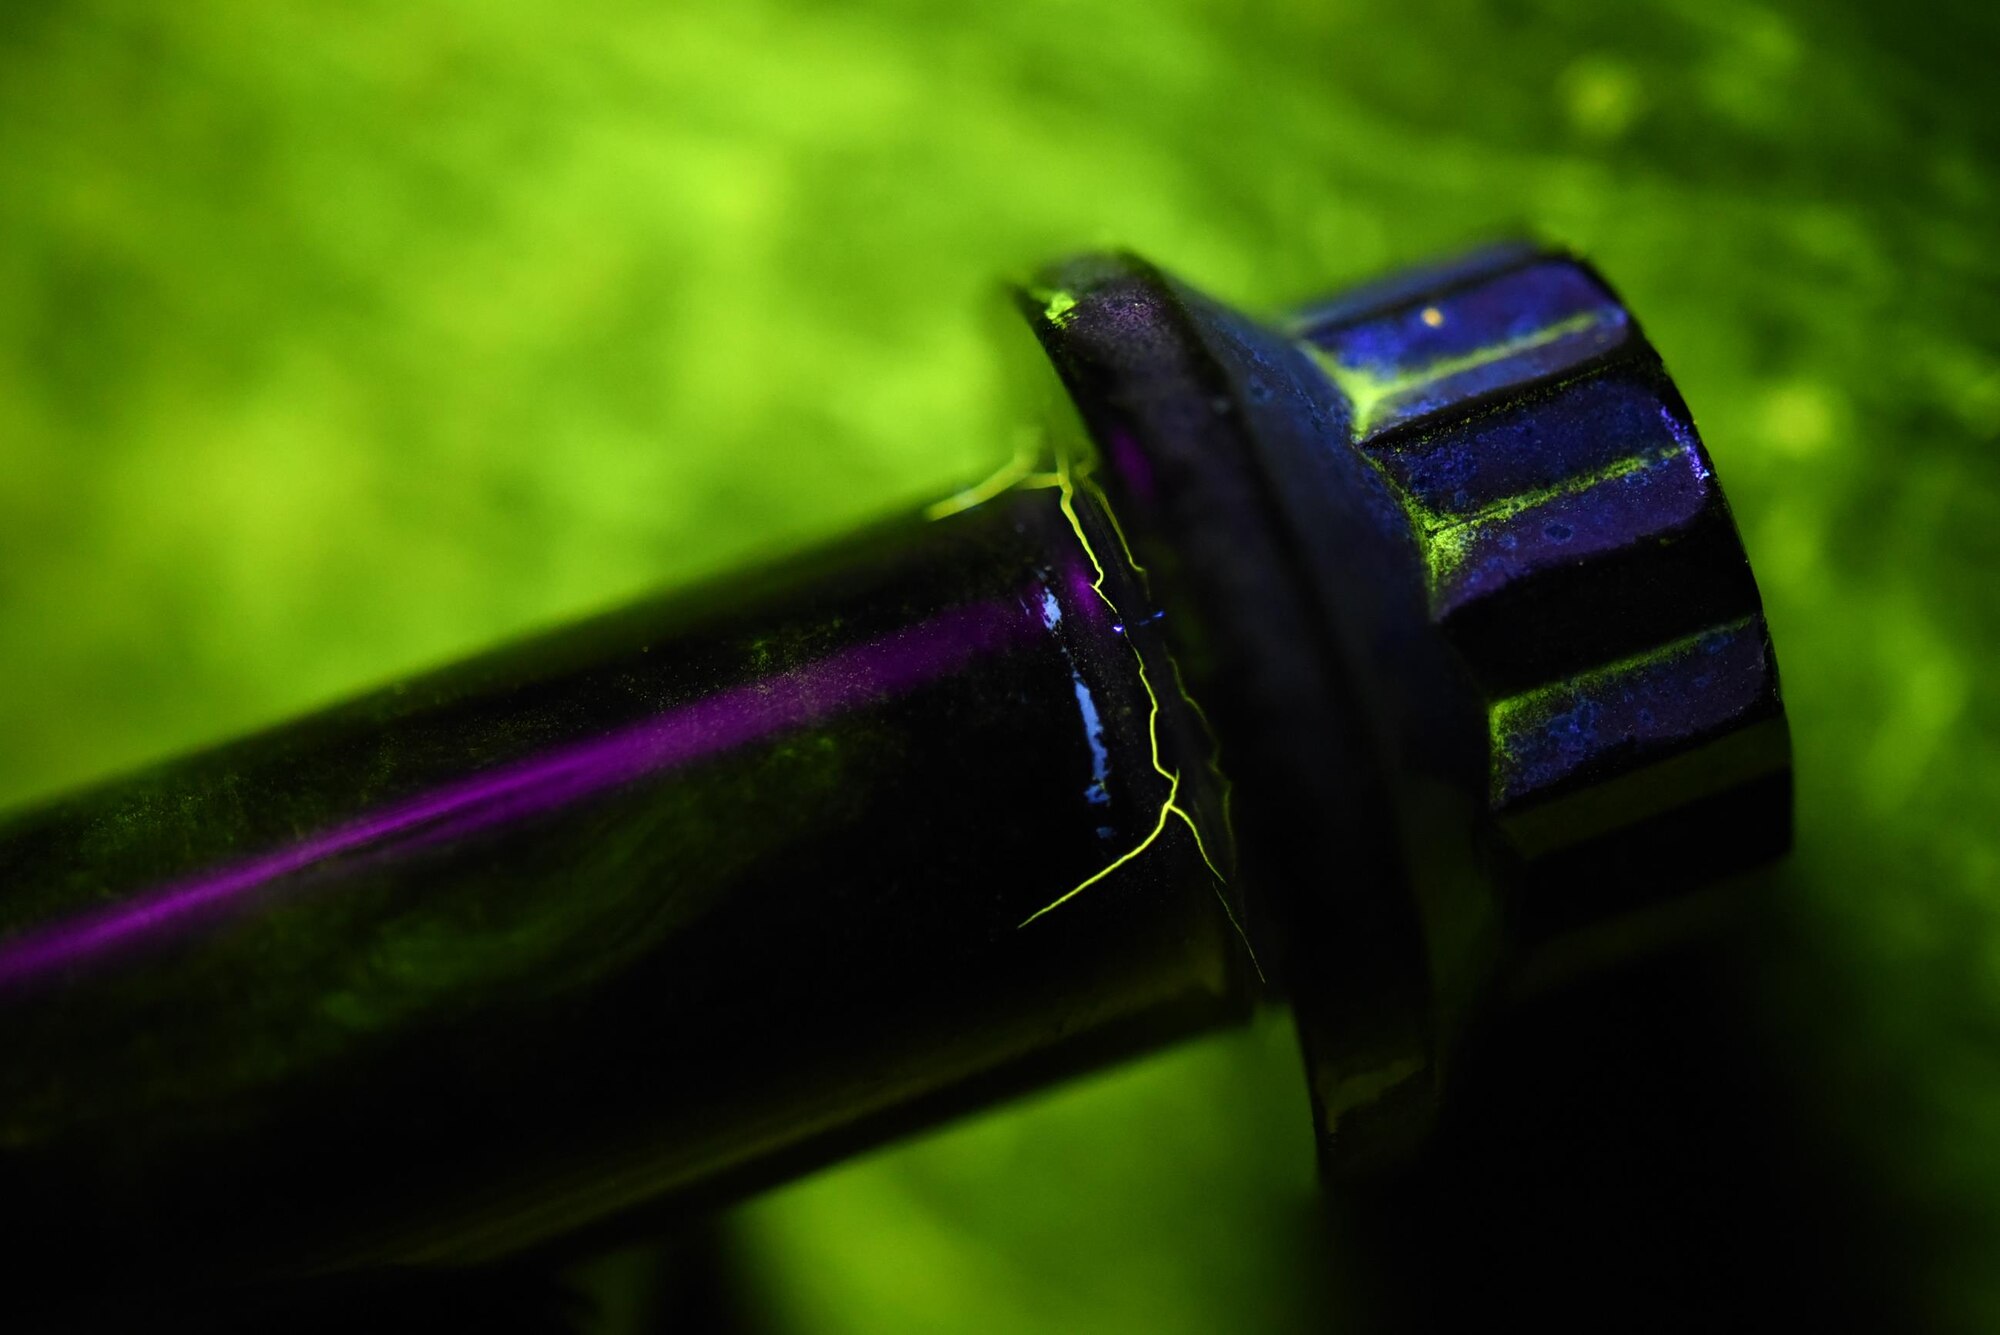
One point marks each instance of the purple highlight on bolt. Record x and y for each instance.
(845, 680)
(1131, 465)
(1082, 600)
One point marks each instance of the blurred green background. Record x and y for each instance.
(337, 340)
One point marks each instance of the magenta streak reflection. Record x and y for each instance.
(849, 678)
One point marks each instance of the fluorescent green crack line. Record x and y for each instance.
(1067, 481)
(1173, 778)
(1367, 392)
(1228, 792)
(1067, 500)
(1017, 472)
(1224, 785)
(1057, 304)
(1159, 828)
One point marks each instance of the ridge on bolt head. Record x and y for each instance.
(1470, 609)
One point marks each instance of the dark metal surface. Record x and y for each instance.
(658, 908)
(1468, 606)
(620, 923)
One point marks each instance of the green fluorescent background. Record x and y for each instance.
(339, 339)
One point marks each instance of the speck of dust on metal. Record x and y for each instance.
(1351, 661)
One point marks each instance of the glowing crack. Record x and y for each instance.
(1018, 471)
(1057, 303)
(1223, 784)
(1068, 480)
(1019, 474)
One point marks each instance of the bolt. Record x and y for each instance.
(1351, 662)
(1462, 594)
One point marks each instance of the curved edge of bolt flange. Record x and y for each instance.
(1452, 573)
(1181, 397)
